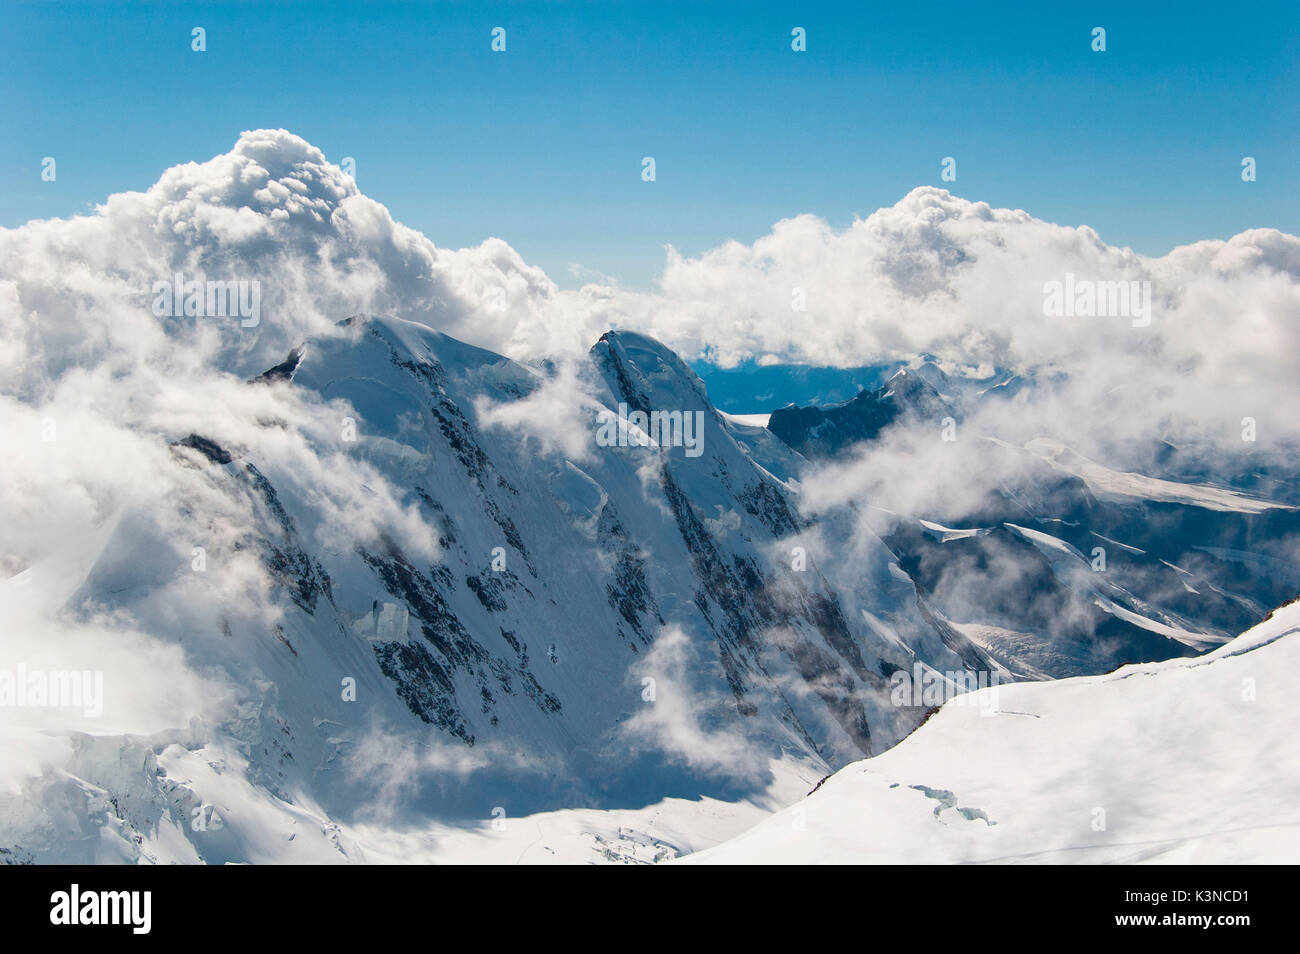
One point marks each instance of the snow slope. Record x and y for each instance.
(1109, 484)
(1185, 761)
(540, 622)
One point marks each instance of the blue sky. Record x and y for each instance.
(542, 145)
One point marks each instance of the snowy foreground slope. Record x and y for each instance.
(1185, 761)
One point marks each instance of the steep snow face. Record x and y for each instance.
(1182, 761)
(504, 593)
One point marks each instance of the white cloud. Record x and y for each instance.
(933, 273)
(396, 767)
(560, 414)
(689, 724)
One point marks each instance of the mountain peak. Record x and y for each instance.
(647, 373)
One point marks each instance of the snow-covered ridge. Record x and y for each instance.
(471, 606)
(1190, 760)
(1110, 484)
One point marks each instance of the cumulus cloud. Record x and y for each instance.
(394, 768)
(934, 273)
(559, 415)
(690, 725)
(272, 210)
(965, 283)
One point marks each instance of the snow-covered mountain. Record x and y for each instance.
(355, 589)
(823, 431)
(565, 623)
(1186, 761)
(585, 624)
